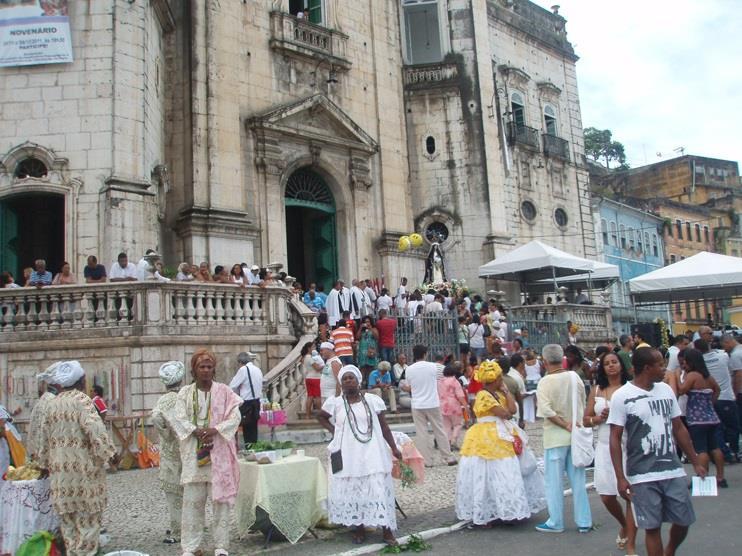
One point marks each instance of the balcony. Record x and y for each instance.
(425, 76)
(523, 135)
(556, 146)
(298, 37)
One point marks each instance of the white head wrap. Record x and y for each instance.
(327, 345)
(172, 373)
(48, 374)
(67, 374)
(352, 369)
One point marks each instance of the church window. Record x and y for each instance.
(436, 232)
(422, 31)
(30, 168)
(430, 144)
(528, 210)
(631, 238)
(655, 249)
(311, 10)
(614, 235)
(518, 108)
(604, 229)
(622, 229)
(560, 217)
(550, 120)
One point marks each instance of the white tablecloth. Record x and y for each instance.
(292, 491)
(25, 507)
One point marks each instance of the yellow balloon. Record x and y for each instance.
(404, 243)
(416, 240)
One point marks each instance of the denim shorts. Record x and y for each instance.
(663, 501)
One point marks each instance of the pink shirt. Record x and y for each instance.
(451, 395)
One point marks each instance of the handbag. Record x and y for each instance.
(336, 457)
(583, 451)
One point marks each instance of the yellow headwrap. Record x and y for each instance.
(488, 371)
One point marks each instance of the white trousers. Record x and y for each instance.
(175, 508)
(195, 496)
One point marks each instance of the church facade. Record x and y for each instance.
(312, 133)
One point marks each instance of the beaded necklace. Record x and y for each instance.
(364, 437)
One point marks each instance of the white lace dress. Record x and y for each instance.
(605, 476)
(363, 491)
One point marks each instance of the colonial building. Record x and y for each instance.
(632, 239)
(313, 133)
(699, 200)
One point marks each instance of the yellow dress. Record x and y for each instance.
(482, 440)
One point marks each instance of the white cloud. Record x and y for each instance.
(660, 74)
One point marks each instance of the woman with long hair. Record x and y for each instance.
(611, 374)
(702, 391)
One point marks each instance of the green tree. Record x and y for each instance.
(600, 146)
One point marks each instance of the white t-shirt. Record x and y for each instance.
(328, 381)
(672, 358)
(241, 383)
(646, 416)
(117, 272)
(421, 377)
(735, 362)
(384, 302)
(401, 291)
(718, 366)
(433, 306)
(476, 335)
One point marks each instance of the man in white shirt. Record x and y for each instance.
(422, 384)
(248, 385)
(370, 294)
(253, 277)
(680, 343)
(384, 302)
(400, 300)
(436, 305)
(122, 270)
(338, 301)
(517, 372)
(360, 305)
(731, 345)
(142, 266)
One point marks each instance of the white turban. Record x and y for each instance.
(327, 345)
(352, 369)
(172, 372)
(48, 374)
(67, 374)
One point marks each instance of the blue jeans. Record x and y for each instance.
(728, 432)
(387, 354)
(556, 462)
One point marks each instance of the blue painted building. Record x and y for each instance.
(630, 238)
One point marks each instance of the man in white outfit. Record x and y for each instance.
(338, 301)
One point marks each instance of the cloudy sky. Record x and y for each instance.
(660, 74)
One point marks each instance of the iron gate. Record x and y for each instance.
(437, 331)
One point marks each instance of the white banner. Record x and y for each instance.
(34, 32)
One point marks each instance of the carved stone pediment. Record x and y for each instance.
(315, 119)
(548, 89)
(514, 76)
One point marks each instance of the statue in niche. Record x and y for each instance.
(435, 270)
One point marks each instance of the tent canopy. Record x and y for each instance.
(603, 275)
(535, 261)
(705, 275)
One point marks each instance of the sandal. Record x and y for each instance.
(359, 535)
(621, 541)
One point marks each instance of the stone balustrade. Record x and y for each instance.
(429, 74)
(295, 36)
(170, 308)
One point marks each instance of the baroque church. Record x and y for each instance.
(312, 133)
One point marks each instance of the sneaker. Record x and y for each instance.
(722, 484)
(546, 528)
(584, 529)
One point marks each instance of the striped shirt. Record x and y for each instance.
(343, 339)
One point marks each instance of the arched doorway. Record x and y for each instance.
(31, 227)
(310, 229)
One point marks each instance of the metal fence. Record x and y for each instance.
(542, 332)
(437, 331)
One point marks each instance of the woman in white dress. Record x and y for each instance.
(611, 375)
(361, 490)
(533, 375)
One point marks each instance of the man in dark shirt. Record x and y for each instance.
(94, 273)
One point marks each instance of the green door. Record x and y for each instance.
(324, 250)
(9, 241)
(315, 11)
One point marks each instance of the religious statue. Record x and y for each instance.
(435, 271)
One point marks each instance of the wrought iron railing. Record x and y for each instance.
(556, 146)
(437, 330)
(522, 134)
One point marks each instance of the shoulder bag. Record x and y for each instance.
(583, 451)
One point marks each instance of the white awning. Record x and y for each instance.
(603, 275)
(705, 275)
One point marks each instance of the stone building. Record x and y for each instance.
(243, 130)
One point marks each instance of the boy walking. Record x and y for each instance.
(654, 481)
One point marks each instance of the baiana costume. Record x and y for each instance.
(490, 484)
(363, 491)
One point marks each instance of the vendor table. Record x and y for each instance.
(292, 492)
(25, 508)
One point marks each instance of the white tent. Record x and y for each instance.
(535, 261)
(703, 276)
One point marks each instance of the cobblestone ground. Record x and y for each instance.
(136, 517)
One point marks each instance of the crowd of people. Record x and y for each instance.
(122, 270)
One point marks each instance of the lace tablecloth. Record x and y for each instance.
(25, 507)
(292, 491)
